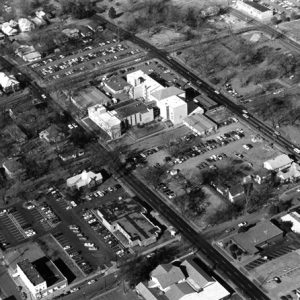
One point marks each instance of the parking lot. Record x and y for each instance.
(93, 55)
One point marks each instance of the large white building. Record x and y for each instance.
(170, 103)
(106, 120)
(84, 179)
(142, 85)
(255, 10)
(9, 83)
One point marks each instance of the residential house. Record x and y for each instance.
(186, 281)
(232, 193)
(28, 53)
(9, 83)
(85, 179)
(13, 168)
(52, 134)
(292, 173)
(16, 133)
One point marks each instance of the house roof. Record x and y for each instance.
(83, 179)
(116, 83)
(167, 274)
(262, 232)
(12, 165)
(196, 274)
(167, 92)
(145, 292)
(177, 291)
(278, 162)
(7, 80)
(292, 172)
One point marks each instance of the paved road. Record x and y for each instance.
(209, 90)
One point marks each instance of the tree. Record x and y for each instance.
(153, 175)
(286, 226)
(274, 20)
(112, 12)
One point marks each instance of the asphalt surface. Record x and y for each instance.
(218, 262)
(210, 91)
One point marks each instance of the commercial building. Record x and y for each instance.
(258, 237)
(133, 229)
(89, 96)
(84, 179)
(254, 10)
(134, 113)
(9, 83)
(128, 222)
(205, 102)
(41, 277)
(278, 163)
(116, 85)
(171, 104)
(200, 124)
(106, 120)
(142, 85)
(28, 53)
(182, 282)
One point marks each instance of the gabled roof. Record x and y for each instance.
(167, 274)
(177, 291)
(167, 92)
(196, 274)
(145, 292)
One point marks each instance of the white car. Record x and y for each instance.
(296, 150)
(43, 96)
(242, 224)
(91, 281)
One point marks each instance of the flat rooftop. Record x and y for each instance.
(31, 272)
(287, 268)
(131, 109)
(199, 122)
(89, 97)
(138, 226)
(257, 6)
(206, 102)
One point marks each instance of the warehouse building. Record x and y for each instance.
(254, 10)
(200, 124)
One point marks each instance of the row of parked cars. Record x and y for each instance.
(110, 240)
(232, 91)
(165, 190)
(84, 239)
(74, 254)
(101, 193)
(209, 145)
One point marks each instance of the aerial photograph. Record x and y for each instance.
(165, 163)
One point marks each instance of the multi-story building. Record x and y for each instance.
(106, 120)
(142, 85)
(40, 277)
